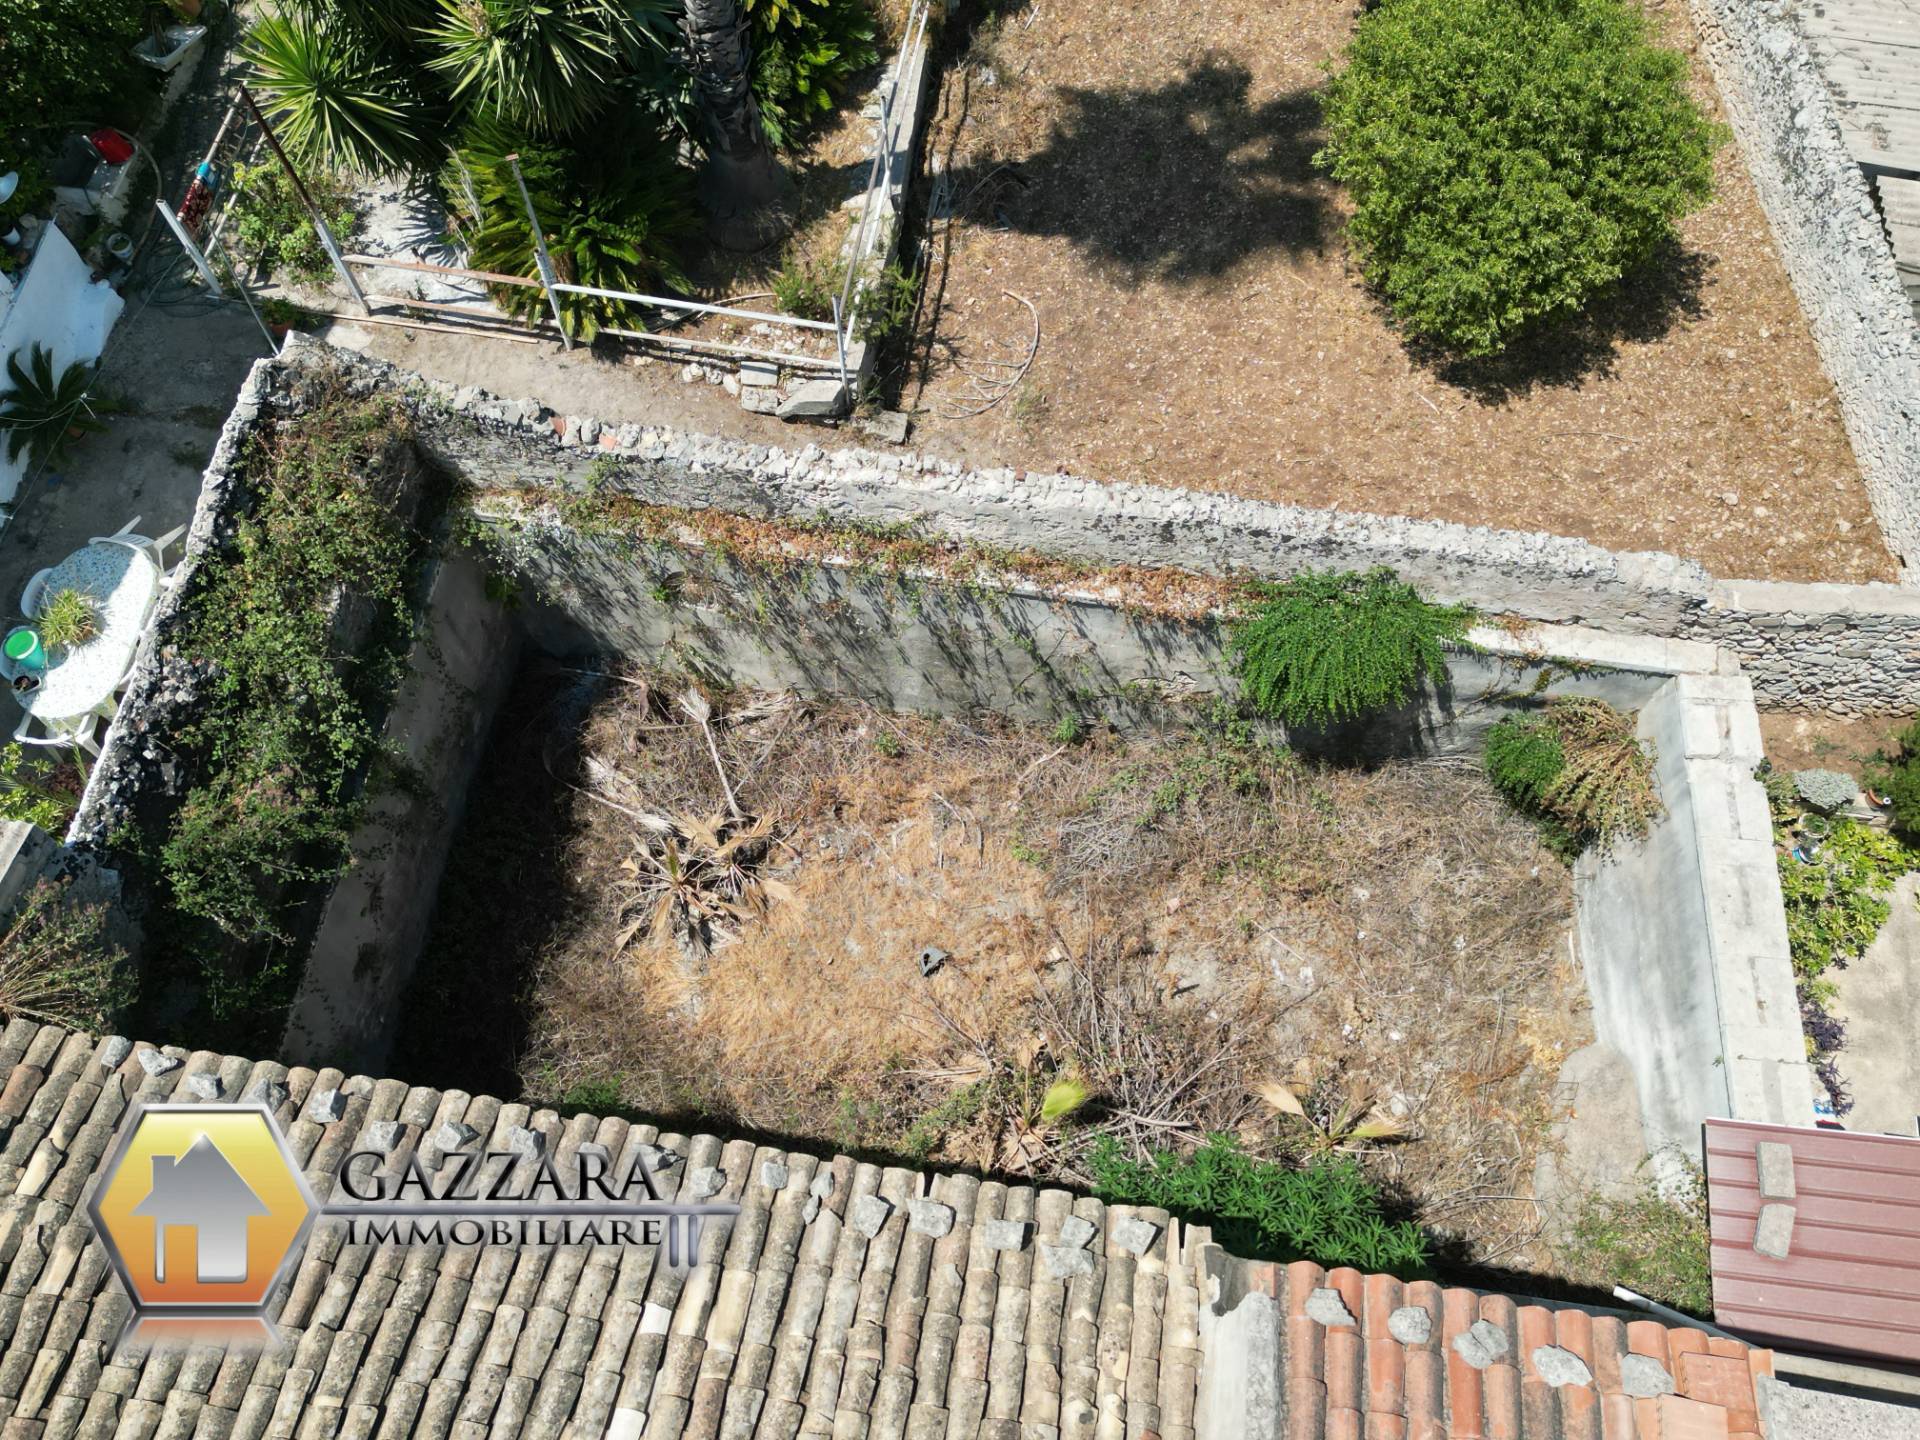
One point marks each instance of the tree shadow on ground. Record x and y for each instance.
(1644, 307)
(1177, 184)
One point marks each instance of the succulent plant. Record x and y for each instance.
(1825, 790)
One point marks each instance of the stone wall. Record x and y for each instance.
(1843, 649)
(1683, 936)
(1835, 248)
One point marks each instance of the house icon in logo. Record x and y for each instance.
(218, 1186)
(202, 1191)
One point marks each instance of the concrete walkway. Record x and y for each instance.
(1880, 1002)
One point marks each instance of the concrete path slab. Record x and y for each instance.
(1880, 1002)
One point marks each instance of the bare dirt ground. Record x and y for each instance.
(1143, 175)
(1175, 923)
(1824, 742)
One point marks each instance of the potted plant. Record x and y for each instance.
(40, 413)
(281, 315)
(69, 619)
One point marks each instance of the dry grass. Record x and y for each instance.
(1171, 923)
(1143, 175)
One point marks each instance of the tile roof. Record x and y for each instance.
(815, 1312)
(1848, 1221)
(1368, 1357)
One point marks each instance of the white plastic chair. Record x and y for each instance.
(35, 592)
(79, 732)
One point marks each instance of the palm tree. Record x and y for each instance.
(745, 192)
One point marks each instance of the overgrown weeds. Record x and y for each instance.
(1127, 931)
(1578, 768)
(58, 963)
(1648, 1241)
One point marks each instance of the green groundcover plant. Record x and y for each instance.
(1325, 1210)
(1510, 159)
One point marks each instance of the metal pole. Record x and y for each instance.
(327, 242)
(540, 256)
(193, 251)
(840, 341)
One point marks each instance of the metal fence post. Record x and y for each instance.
(327, 242)
(840, 341)
(540, 256)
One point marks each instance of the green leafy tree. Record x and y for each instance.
(544, 65)
(338, 95)
(1328, 646)
(65, 61)
(1510, 159)
(1896, 775)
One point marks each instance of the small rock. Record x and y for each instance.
(1644, 1377)
(523, 1140)
(383, 1136)
(1327, 1306)
(1559, 1366)
(1480, 1346)
(689, 373)
(888, 425)
(760, 402)
(1076, 1231)
(1065, 1261)
(454, 1135)
(774, 1175)
(931, 957)
(326, 1106)
(1410, 1325)
(1004, 1234)
(113, 1052)
(868, 1213)
(204, 1086)
(822, 1185)
(810, 1211)
(705, 1181)
(1135, 1235)
(758, 372)
(929, 1217)
(730, 383)
(270, 1093)
(814, 400)
(158, 1062)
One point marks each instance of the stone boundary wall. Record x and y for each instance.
(1683, 935)
(1833, 243)
(1842, 649)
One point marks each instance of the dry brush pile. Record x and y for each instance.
(985, 944)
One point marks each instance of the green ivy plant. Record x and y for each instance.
(1328, 646)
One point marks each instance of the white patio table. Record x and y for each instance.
(125, 581)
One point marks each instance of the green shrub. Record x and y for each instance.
(66, 63)
(805, 54)
(1896, 775)
(30, 790)
(1647, 1242)
(616, 216)
(1578, 768)
(1510, 159)
(1326, 1211)
(271, 226)
(1329, 646)
(289, 715)
(1837, 902)
(806, 288)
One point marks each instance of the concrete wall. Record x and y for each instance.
(1833, 243)
(1683, 937)
(376, 919)
(1844, 649)
(919, 643)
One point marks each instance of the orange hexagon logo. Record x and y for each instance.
(201, 1208)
